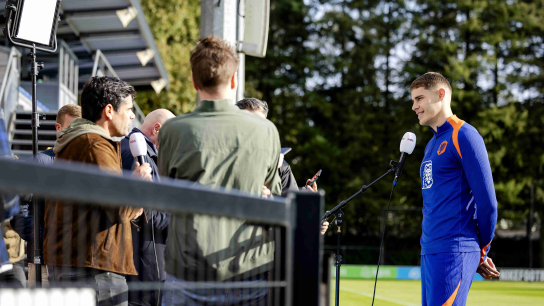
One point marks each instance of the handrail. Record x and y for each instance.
(13, 59)
(298, 266)
(140, 117)
(80, 182)
(12, 51)
(100, 56)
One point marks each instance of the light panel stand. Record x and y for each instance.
(35, 123)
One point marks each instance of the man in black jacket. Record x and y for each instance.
(150, 230)
(288, 181)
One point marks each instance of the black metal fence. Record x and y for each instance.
(279, 237)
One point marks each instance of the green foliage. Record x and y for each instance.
(337, 76)
(512, 134)
(175, 27)
(338, 91)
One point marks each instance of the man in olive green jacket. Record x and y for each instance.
(218, 145)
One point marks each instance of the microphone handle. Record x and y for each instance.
(400, 165)
(140, 159)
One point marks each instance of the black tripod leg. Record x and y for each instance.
(338, 261)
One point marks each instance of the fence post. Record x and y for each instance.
(308, 248)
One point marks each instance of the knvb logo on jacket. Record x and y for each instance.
(442, 147)
(427, 175)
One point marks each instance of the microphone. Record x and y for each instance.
(407, 145)
(138, 147)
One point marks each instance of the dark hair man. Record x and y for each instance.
(149, 231)
(288, 181)
(23, 222)
(94, 245)
(456, 181)
(218, 145)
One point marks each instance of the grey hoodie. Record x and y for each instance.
(78, 127)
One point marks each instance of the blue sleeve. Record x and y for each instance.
(46, 157)
(477, 170)
(23, 222)
(160, 218)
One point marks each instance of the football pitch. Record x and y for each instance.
(408, 293)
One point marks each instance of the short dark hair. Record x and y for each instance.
(254, 105)
(213, 62)
(101, 91)
(430, 80)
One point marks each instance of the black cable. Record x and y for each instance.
(156, 257)
(381, 244)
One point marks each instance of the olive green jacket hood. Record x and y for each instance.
(78, 127)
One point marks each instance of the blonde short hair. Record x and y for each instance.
(73, 110)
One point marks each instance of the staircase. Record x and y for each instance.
(21, 143)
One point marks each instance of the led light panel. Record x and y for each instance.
(36, 21)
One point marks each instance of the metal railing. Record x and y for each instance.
(295, 276)
(68, 75)
(102, 67)
(10, 85)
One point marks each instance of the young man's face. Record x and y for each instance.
(66, 121)
(122, 118)
(427, 105)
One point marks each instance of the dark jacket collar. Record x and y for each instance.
(151, 148)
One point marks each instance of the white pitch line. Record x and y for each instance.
(377, 297)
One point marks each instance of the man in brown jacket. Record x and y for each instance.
(90, 243)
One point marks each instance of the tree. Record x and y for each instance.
(175, 27)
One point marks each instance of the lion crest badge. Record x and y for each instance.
(427, 175)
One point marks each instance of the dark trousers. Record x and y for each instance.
(111, 288)
(215, 297)
(11, 278)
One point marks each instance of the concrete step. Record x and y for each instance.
(29, 122)
(28, 115)
(29, 132)
(22, 154)
(48, 143)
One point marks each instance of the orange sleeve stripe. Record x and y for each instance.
(456, 123)
(482, 252)
(450, 301)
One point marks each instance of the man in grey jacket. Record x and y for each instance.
(222, 146)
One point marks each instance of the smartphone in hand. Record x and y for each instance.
(316, 176)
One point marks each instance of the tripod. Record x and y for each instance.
(339, 214)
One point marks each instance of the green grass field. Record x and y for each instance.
(392, 293)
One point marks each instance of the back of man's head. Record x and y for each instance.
(66, 115)
(158, 116)
(101, 91)
(213, 63)
(253, 105)
(429, 81)
(153, 123)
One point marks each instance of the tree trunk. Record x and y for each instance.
(387, 67)
(496, 75)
